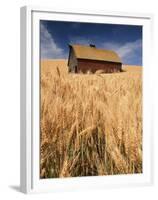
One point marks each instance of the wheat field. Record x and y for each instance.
(91, 124)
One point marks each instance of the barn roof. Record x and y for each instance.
(93, 53)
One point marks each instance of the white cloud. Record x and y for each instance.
(80, 40)
(49, 49)
(128, 52)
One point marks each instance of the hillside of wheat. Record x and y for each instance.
(90, 124)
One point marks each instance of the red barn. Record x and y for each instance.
(89, 58)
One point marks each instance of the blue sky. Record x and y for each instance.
(126, 40)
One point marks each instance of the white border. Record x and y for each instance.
(30, 91)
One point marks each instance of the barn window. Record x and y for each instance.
(76, 69)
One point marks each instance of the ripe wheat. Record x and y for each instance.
(91, 124)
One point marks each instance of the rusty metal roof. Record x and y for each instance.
(93, 53)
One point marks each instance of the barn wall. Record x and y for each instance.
(72, 61)
(93, 66)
